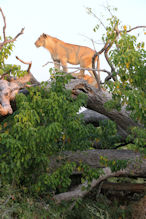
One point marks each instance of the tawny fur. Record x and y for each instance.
(63, 53)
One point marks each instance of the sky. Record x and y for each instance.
(67, 20)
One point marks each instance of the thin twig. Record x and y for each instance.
(94, 15)
(134, 28)
(91, 39)
(93, 44)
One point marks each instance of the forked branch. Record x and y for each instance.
(4, 32)
(106, 48)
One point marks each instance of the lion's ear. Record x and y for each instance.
(44, 35)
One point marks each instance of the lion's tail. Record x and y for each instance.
(97, 76)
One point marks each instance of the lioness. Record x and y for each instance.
(63, 53)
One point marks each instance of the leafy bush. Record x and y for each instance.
(45, 122)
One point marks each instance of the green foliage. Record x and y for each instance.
(128, 58)
(14, 204)
(114, 165)
(46, 122)
(138, 134)
(88, 173)
(5, 52)
(107, 133)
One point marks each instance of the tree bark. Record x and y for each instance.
(136, 168)
(136, 162)
(96, 100)
(9, 89)
(128, 187)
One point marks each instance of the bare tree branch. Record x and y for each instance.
(82, 190)
(4, 34)
(4, 28)
(94, 15)
(79, 68)
(129, 187)
(27, 63)
(92, 39)
(137, 27)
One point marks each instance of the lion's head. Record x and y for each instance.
(41, 40)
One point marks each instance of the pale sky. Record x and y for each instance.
(64, 19)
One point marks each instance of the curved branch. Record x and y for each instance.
(27, 63)
(83, 189)
(12, 40)
(134, 28)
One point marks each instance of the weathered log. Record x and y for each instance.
(136, 162)
(96, 100)
(8, 91)
(128, 187)
(135, 168)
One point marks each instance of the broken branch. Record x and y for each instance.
(27, 63)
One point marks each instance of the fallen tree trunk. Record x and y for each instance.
(136, 168)
(128, 187)
(136, 162)
(96, 100)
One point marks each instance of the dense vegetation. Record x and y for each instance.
(46, 122)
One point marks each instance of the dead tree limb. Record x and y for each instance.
(129, 187)
(137, 162)
(82, 190)
(10, 88)
(134, 28)
(4, 32)
(27, 63)
(96, 100)
(136, 167)
(4, 27)
(95, 118)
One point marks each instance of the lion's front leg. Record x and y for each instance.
(79, 75)
(57, 64)
(64, 65)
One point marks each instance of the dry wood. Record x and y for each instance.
(96, 100)
(10, 88)
(136, 162)
(129, 187)
(4, 34)
(136, 168)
